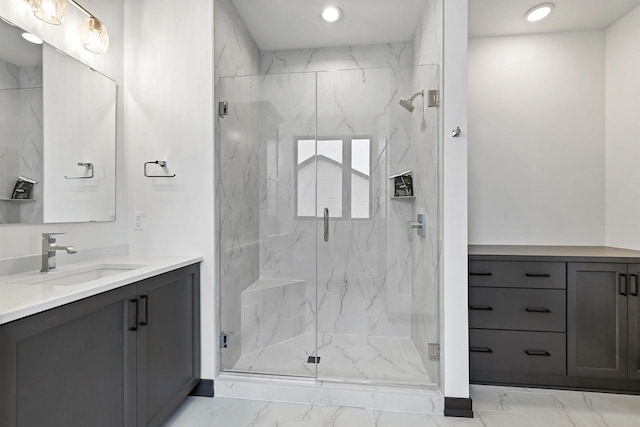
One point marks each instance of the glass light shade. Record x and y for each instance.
(94, 36)
(49, 11)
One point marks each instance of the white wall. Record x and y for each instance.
(21, 240)
(537, 130)
(169, 116)
(623, 132)
(454, 322)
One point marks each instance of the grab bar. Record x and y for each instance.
(89, 166)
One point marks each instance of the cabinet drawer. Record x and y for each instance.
(518, 274)
(516, 351)
(518, 309)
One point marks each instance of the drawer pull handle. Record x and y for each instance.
(537, 353)
(622, 284)
(633, 284)
(481, 307)
(480, 274)
(480, 350)
(537, 275)
(537, 310)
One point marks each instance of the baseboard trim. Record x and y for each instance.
(204, 388)
(458, 407)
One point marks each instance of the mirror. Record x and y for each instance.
(57, 135)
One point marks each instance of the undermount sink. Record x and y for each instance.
(77, 276)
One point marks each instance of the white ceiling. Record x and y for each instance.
(506, 17)
(295, 24)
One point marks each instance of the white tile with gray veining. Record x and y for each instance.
(540, 408)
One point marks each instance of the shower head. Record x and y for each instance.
(408, 104)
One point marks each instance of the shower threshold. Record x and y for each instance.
(345, 358)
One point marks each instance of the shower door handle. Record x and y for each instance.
(326, 224)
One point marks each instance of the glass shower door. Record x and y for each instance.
(267, 248)
(377, 278)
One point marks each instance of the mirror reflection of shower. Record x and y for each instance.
(408, 104)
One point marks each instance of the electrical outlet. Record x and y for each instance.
(138, 223)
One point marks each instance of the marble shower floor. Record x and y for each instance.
(493, 407)
(352, 357)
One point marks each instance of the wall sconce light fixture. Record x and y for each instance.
(93, 33)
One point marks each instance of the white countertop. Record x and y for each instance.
(22, 300)
(554, 251)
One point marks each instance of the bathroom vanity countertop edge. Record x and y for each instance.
(552, 253)
(19, 301)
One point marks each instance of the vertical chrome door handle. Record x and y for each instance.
(326, 224)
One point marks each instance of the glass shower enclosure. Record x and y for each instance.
(324, 269)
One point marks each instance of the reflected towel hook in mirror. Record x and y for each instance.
(162, 164)
(89, 167)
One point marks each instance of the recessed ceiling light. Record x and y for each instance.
(31, 38)
(332, 14)
(539, 12)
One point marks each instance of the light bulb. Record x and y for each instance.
(94, 35)
(539, 12)
(49, 11)
(331, 14)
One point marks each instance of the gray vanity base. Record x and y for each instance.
(126, 357)
(555, 316)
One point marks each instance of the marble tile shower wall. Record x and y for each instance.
(20, 139)
(237, 184)
(364, 271)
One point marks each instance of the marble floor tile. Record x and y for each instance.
(490, 398)
(507, 407)
(502, 419)
(596, 409)
(387, 359)
(546, 409)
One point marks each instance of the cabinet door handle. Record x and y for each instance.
(481, 307)
(133, 327)
(145, 300)
(537, 353)
(622, 284)
(480, 350)
(480, 274)
(633, 284)
(537, 310)
(537, 274)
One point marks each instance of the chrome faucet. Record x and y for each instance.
(49, 249)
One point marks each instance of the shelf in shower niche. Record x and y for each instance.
(403, 197)
(18, 200)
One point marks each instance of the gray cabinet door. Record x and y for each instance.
(71, 366)
(597, 320)
(168, 342)
(634, 322)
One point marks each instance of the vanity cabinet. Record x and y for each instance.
(126, 357)
(555, 316)
(603, 320)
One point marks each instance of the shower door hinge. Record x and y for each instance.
(434, 352)
(223, 108)
(434, 98)
(224, 340)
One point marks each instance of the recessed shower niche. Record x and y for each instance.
(320, 273)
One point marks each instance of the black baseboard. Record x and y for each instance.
(203, 389)
(458, 407)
